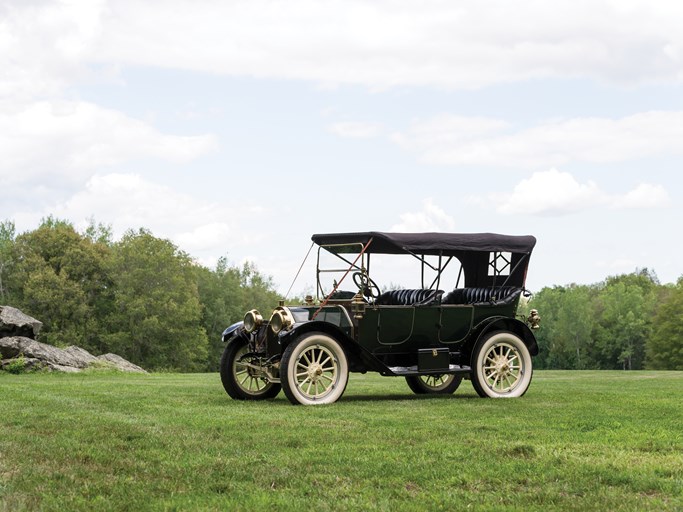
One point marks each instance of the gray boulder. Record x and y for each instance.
(120, 363)
(38, 355)
(81, 355)
(15, 323)
(15, 346)
(34, 364)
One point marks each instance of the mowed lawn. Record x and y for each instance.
(576, 441)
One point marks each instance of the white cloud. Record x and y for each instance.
(644, 195)
(44, 46)
(454, 140)
(128, 201)
(383, 44)
(554, 193)
(65, 142)
(431, 218)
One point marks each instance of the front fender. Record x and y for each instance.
(360, 360)
(230, 331)
(303, 328)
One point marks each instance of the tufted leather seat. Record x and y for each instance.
(477, 295)
(408, 297)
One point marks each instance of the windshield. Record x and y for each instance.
(342, 272)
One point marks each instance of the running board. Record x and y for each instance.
(406, 371)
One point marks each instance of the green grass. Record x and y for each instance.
(576, 441)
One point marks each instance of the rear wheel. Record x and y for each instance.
(443, 384)
(501, 366)
(314, 370)
(241, 381)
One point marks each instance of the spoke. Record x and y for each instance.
(250, 384)
(244, 379)
(514, 356)
(330, 368)
(321, 353)
(299, 363)
(507, 354)
(325, 361)
(302, 374)
(325, 376)
(308, 390)
(303, 382)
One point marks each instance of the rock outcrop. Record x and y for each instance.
(120, 363)
(15, 323)
(19, 346)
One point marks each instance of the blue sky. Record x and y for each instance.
(241, 128)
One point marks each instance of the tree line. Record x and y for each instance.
(140, 297)
(628, 322)
(146, 300)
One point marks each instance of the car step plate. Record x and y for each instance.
(412, 370)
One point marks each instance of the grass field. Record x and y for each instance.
(576, 441)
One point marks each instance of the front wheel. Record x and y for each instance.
(240, 380)
(314, 370)
(501, 366)
(443, 384)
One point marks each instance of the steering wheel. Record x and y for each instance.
(366, 285)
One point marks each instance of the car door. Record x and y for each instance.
(455, 322)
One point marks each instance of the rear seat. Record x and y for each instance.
(501, 295)
(408, 297)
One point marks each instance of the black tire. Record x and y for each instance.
(240, 382)
(501, 366)
(314, 370)
(443, 384)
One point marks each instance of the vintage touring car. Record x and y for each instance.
(461, 322)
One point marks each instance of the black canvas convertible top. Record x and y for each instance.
(447, 244)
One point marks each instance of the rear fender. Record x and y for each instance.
(504, 324)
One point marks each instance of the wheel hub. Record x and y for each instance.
(315, 371)
(502, 366)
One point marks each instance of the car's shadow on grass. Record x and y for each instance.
(400, 397)
(281, 400)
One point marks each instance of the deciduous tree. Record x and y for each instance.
(156, 315)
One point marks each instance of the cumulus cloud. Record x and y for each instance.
(129, 201)
(431, 218)
(556, 193)
(385, 43)
(644, 195)
(456, 140)
(48, 44)
(66, 142)
(46, 47)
